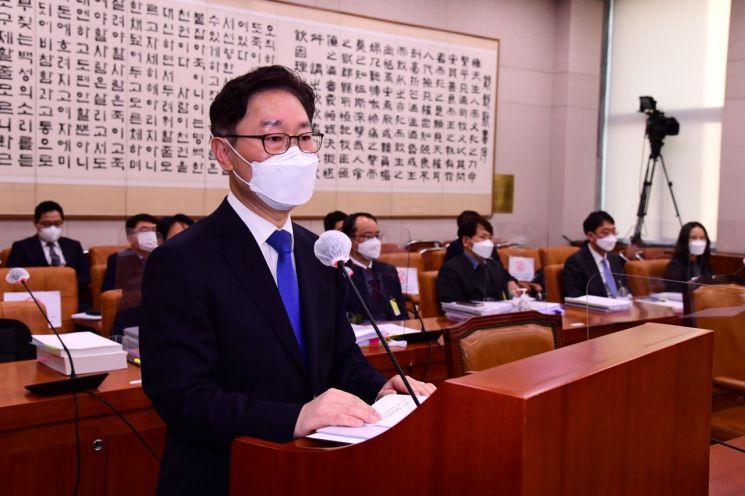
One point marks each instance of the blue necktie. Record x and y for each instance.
(609, 280)
(281, 241)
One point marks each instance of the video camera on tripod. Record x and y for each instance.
(658, 126)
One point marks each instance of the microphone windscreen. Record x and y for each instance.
(17, 275)
(332, 247)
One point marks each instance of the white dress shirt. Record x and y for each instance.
(48, 255)
(599, 261)
(261, 229)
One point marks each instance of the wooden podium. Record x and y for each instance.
(626, 413)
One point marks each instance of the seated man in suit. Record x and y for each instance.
(334, 220)
(595, 263)
(377, 282)
(473, 275)
(48, 249)
(124, 269)
(245, 331)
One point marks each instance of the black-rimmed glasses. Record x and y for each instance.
(278, 143)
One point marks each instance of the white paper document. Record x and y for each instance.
(599, 303)
(409, 280)
(51, 300)
(522, 268)
(364, 333)
(392, 408)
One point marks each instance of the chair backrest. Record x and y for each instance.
(402, 259)
(639, 272)
(553, 278)
(98, 255)
(433, 258)
(556, 254)
(26, 312)
(62, 279)
(110, 301)
(15, 341)
(391, 248)
(429, 303)
(729, 331)
(4, 254)
(506, 253)
(415, 246)
(480, 343)
(97, 274)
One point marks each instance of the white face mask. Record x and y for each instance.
(697, 247)
(50, 234)
(147, 240)
(282, 181)
(484, 248)
(607, 243)
(370, 248)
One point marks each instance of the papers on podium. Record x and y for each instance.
(90, 352)
(599, 303)
(392, 408)
(365, 335)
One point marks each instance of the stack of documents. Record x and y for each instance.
(599, 303)
(667, 299)
(465, 310)
(392, 408)
(365, 335)
(90, 352)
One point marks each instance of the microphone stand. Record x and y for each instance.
(340, 267)
(75, 382)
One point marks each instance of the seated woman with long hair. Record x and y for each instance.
(692, 257)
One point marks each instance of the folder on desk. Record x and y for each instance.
(599, 303)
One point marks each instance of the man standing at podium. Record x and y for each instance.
(245, 331)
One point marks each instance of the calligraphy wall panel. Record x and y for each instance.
(104, 105)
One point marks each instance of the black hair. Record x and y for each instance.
(332, 218)
(230, 104)
(47, 206)
(595, 220)
(131, 222)
(682, 252)
(348, 227)
(466, 214)
(164, 225)
(469, 225)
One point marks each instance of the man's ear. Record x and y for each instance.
(221, 152)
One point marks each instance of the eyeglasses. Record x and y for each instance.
(278, 143)
(368, 237)
(50, 223)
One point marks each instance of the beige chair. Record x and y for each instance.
(553, 276)
(645, 276)
(480, 343)
(62, 279)
(110, 301)
(26, 312)
(433, 258)
(98, 255)
(97, 274)
(391, 248)
(402, 259)
(534, 253)
(415, 246)
(556, 254)
(728, 409)
(429, 303)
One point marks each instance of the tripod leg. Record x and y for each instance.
(670, 187)
(644, 200)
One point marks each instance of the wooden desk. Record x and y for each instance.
(727, 469)
(37, 436)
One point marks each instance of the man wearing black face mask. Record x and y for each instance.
(244, 330)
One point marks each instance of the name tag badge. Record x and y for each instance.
(394, 307)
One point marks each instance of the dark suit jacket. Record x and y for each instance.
(220, 359)
(29, 253)
(456, 248)
(678, 274)
(580, 268)
(390, 288)
(458, 280)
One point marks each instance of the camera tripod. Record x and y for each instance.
(654, 157)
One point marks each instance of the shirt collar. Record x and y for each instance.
(44, 243)
(595, 255)
(473, 261)
(260, 228)
(360, 264)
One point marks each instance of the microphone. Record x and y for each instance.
(332, 249)
(71, 384)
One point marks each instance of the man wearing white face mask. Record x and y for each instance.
(48, 248)
(473, 275)
(595, 269)
(245, 331)
(377, 282)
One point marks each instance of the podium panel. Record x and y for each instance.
(627, 413)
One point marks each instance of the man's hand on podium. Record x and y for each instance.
(335, 407)
(396, 385)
